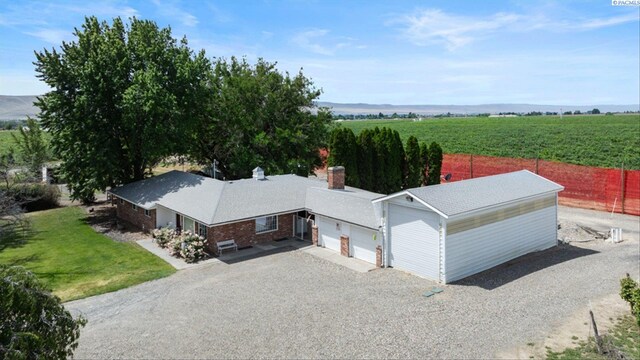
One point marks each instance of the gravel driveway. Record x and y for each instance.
(293, 305)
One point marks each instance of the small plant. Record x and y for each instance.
(630, 292)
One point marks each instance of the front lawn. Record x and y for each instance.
(75, 261)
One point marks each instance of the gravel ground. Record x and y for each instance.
(293, 305)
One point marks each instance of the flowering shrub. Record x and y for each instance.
(193, 247)
(186, 245)
(163, 236)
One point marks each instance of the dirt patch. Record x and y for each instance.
(102, 218)
(570, 331)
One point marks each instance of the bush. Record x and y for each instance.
(193, 249)
(186, 245)
(163, 236)
(34, 196)
(630, 292)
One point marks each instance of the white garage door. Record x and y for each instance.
(414, 241)
(329, 234)
(363, 244)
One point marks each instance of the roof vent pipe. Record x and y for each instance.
(258, 173)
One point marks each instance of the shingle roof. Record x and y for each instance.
(213, 201)
(463, 196)
(350, 205)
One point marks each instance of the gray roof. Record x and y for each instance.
(212, 201)
(459, 197)
(351, 205)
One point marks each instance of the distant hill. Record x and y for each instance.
(387, 109)
(19, 107)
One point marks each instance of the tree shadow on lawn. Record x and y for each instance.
(16, 238)
(524, 265)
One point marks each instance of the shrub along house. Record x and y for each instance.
(443, 232)
(252, 211)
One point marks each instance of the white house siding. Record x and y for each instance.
(414, 241)
(363, 243)
(492, 243)
(165, 217)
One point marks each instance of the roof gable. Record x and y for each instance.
(464, 196)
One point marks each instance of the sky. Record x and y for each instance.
(378, 52)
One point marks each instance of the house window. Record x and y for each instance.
(121, 201)
(133, 206)
(267, 223)
(202, 230)
(146, 212)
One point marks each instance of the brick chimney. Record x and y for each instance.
(335, 177)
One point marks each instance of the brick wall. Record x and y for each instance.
(136, 217)
(244, 232)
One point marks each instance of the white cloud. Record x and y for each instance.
(51, 36)
(170, 9)
(310, 40)
(436, 27)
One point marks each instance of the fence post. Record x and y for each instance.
(622, 187)
(537, 166)
(471, 165)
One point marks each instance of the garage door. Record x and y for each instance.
(328, 233)
(363, 244)
(414, 241)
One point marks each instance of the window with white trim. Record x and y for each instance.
(146, 212)
(121, 200)
(266, 224)
(133, 206)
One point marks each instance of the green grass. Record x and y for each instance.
(74, 261)
(603, 141)
(624, 337)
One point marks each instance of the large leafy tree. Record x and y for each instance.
(123, 97)
(34, 323)
(260, 116)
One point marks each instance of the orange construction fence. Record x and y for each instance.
(616, 190)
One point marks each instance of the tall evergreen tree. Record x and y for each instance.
(424, 164)
(343, 151)
(414, 163)
(397, 161)
(366, 158)
(435, 163)
(380, 162)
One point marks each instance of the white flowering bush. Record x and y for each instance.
(163, 236)
(186, 245)
(193, 247)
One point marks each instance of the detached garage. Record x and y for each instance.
(450, 231)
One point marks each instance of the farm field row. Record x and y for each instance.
(602, 141)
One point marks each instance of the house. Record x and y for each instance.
(444, 232)
(450, 231)
(256, 210)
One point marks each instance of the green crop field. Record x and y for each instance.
(603, 141)
(6, 140)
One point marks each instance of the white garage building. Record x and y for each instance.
(450, 231)
(346, 212)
